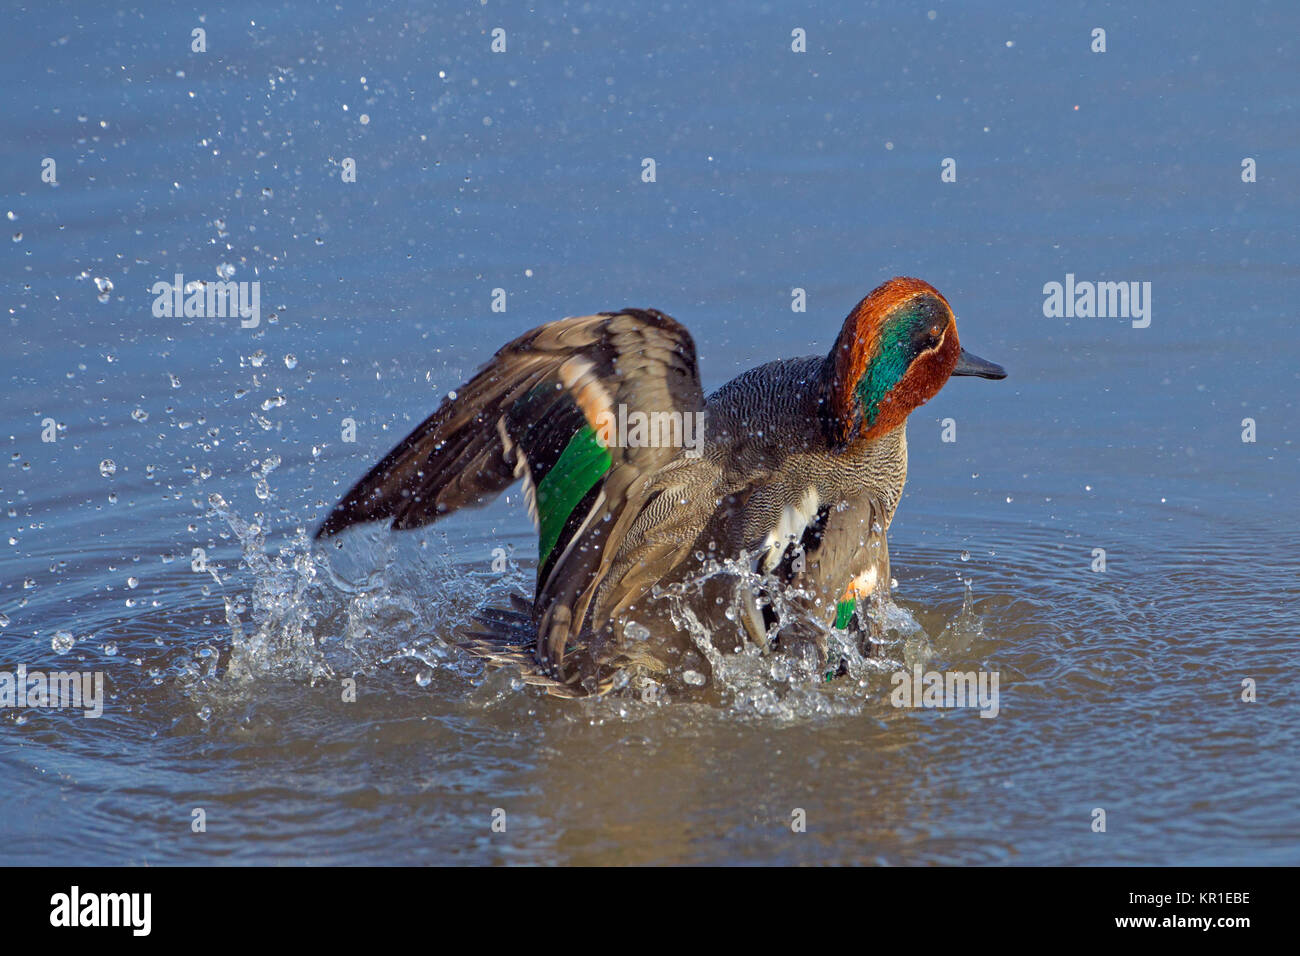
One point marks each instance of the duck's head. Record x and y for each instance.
(897, 348)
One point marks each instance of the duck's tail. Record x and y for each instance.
(507, 637)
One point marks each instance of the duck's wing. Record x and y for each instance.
(842, 559)
(546, 409)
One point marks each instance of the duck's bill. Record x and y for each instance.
(968, 364)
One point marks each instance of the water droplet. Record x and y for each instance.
(225, 270)
(694, 678)
(140, 415)
(105, 288)
(4, 620)
(108, 468)
(205, 712)
(965, 555)
(62, 642)
(424, 677)
(291, 361)
(110, 649)
(133, 583)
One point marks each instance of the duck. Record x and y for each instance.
(638, 484)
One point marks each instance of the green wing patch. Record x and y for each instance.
(583, 462)
(844, 613)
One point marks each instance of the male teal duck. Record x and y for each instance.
(799, 471)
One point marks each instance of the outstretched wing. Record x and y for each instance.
(545, 409)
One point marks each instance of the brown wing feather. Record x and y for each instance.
(470, 449)
(654, 371)
(847, 555)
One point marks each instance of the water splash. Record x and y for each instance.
(302, 618)
(317, 612)
(786, 687)
(962, 631)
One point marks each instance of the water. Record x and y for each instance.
(522, 171)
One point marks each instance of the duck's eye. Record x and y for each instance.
(934, 331)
